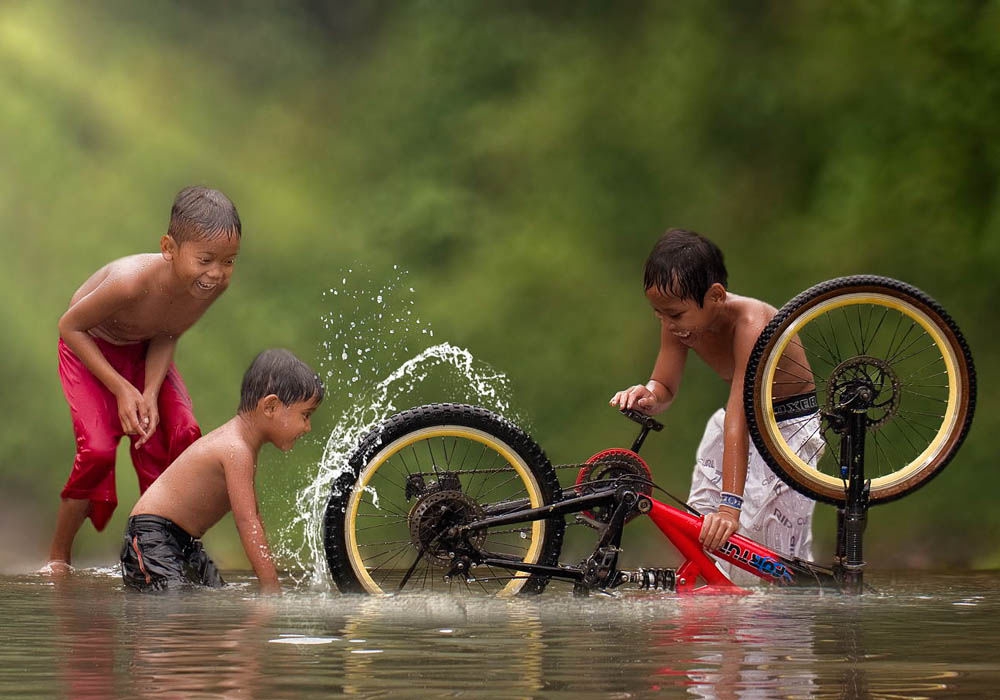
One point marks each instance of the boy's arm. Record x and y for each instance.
(159, 355)
(718, 527)
(88, 312)
(240, 472)
(656, 395)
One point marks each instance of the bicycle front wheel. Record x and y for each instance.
(391, 520)
(866, 330)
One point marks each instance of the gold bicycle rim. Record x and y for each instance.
(833, 485)
(535, 498)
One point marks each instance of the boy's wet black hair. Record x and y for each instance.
(200, 214)
(684, 264)
(281, 373)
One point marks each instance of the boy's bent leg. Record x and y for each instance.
(780, 517)
(152, 555)
(786, 521)
(706, 478)
(72, 513)
(97, 428)
(783, 523)
(202, 569)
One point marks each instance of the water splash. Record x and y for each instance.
(369, 331)
(370, 327)
(482, 386)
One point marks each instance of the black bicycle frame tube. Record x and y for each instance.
(853, 518)
(572, 505)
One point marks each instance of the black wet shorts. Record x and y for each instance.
(157, 555)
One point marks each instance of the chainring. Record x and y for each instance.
(607, 467)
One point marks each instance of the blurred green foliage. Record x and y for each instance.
(516, 160)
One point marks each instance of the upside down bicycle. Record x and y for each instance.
(451, 497)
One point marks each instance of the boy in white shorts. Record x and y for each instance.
(732, 487)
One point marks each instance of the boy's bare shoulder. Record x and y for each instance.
(130, 276)
(752, 315)
(228, 444)
(139, 271)
(193, 491)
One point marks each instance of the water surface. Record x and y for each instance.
(920, 635)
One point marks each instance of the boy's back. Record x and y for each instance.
(197, 489)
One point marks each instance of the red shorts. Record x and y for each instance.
(98, 430)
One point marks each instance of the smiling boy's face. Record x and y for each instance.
(685, 318)
(204, 267)
(291, 422)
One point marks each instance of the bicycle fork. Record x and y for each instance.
(852, 517)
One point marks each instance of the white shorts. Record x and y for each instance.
(773, 513)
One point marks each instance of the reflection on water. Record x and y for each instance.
(922, 635)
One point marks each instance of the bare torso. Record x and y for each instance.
(720, 346)
(193, 491)
(151, 303)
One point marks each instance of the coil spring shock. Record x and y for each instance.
(649, 579)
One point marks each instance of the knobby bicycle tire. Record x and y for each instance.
(423, 470)
(862, 328)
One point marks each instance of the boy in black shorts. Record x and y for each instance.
(216, 474)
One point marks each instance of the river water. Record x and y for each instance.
(917, 635)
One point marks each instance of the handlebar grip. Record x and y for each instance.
(642, 419)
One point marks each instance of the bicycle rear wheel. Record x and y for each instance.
(390, 521)
(896, 341)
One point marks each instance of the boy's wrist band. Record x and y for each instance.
(731, 500)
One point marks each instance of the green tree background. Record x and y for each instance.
(512, 163)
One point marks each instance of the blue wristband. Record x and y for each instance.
(731, 500)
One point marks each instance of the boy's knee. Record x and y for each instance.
(182, 437)
(97, 453)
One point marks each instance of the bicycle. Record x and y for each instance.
(455, 497)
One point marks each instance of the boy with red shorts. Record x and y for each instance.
(116, 350)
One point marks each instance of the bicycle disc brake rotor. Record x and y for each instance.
(609, 466)
(871, 373)
(434, 515)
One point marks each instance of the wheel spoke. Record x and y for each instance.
(875, 345)
(404, 527)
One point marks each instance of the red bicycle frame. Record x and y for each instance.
(600, 570)
(682, 529)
